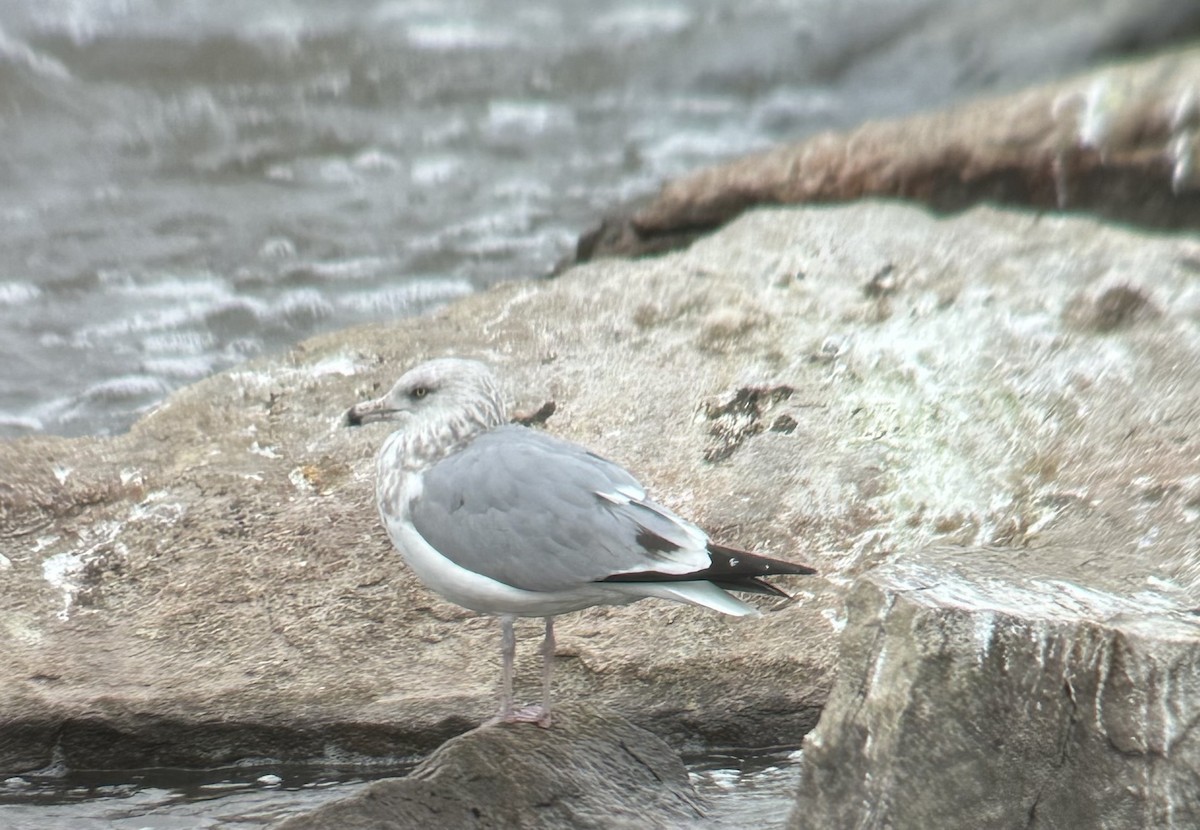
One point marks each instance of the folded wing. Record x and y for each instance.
(542, 514)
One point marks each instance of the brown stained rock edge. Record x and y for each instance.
(1022, 150)
(1134, 195)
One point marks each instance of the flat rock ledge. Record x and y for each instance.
(840, 385)
(973, 692)
(593, 769)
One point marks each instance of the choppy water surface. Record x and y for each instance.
(741, 790)
(237, 798)
(187, 184)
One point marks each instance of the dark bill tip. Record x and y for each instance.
(367, 411)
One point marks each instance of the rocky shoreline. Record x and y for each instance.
(981, 427)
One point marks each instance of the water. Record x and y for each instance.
(187, 184)
(744, 789)
(747, 789)
(235, 798)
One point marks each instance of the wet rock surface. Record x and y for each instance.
(593, 769)
(1060, 690)
(1119, 142)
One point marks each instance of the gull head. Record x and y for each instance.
(445, 391)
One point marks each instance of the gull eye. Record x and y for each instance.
(419, 392)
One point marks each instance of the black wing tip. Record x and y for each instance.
(651, 541)
(744, 563)
(731, 569)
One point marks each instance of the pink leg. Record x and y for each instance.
(547, 670)
(508, 653)
(508, 649)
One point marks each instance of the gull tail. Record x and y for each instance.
(704, 594)
(729, 569)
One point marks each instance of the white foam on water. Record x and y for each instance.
(406, 298)
(457, 36)
(435, 170)
(632, 23)
(18, 293)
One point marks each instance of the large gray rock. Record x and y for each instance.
(594, 769)
(833, 384)
(1119, 141)
(984, 690)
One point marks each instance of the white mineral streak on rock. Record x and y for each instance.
(336, 365)
(837, 621)
(62, 571)
(300, 481)
(161, 506)
(265, 452)
(985, 628)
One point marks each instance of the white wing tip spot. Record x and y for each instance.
(631, 493)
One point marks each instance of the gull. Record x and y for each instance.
(509, 521)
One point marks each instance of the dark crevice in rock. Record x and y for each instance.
(883, 283)
(1113, 308)
(740, 415)
(1064, 750)
(1129, 197)
(537, 417)
(137, 742)
(633, 754)
(619, 235)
